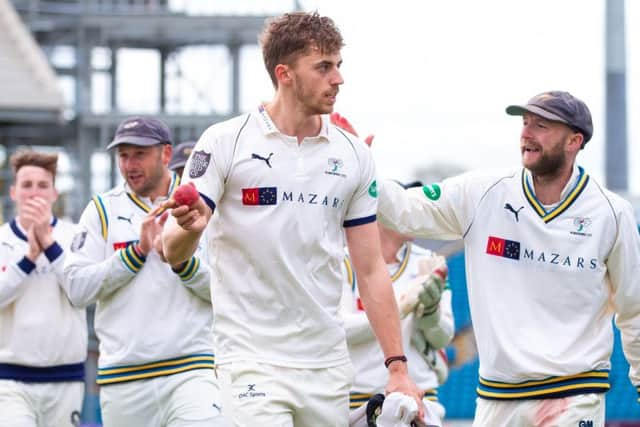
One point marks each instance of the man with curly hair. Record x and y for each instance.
(43, 338)
(288, 186)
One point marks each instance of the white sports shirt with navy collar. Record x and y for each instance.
(539, 278)
(151, 321)
(276, 246)
(43, 338)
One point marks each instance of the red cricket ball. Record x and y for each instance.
(186, 194)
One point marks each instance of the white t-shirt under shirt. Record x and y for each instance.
(276, 245)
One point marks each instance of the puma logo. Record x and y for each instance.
(265, 159)
(122, 218)
(510, 208)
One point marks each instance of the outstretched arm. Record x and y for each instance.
(374, 285)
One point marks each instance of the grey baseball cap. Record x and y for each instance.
(144, 131)
(181, 154)
(558, 106)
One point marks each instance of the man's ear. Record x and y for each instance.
(167, 152)
(576, 141)
(283, 74)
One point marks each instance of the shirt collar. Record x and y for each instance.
(145, 202)
(575, 175)
(269, 127)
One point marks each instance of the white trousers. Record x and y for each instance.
(266, 395)
(584, 410)
(189, 398)
(40, 404)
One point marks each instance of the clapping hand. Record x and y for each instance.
(150, 233)
(36, 215)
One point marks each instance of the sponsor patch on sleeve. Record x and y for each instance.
(373, 189)
(78, 241)
(199, 163)
(433, 191)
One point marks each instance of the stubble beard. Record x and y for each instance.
(306, 98)
(549, 164)
(150, 183)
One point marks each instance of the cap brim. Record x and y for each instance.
(134, 140)
(519, 110)
(175, 164)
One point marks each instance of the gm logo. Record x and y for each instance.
(584, 423)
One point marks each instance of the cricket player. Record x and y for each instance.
(551, 258)
(43, 338)
(153, 318)
(287, 186)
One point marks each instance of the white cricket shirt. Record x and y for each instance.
(276, 247)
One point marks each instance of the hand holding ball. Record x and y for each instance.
(186, 194)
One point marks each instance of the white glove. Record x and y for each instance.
(436, 359)
(428, 267)
(409, 299)
(398, 410)
(432, 288)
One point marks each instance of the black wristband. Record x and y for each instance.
(389, 360)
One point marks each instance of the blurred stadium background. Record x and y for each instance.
(62, 67)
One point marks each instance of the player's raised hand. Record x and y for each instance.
(187, 207)
(343, 123)
(157, 240)
(191, 217)
(150, 229)
(34, 250)
(40, 211)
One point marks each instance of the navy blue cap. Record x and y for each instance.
(558, 106)
(144, 131)
(181, 153)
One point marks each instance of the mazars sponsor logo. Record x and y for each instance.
(313, 199)
(274, 195)
(517, 251)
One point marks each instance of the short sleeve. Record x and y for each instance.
(364, 203)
